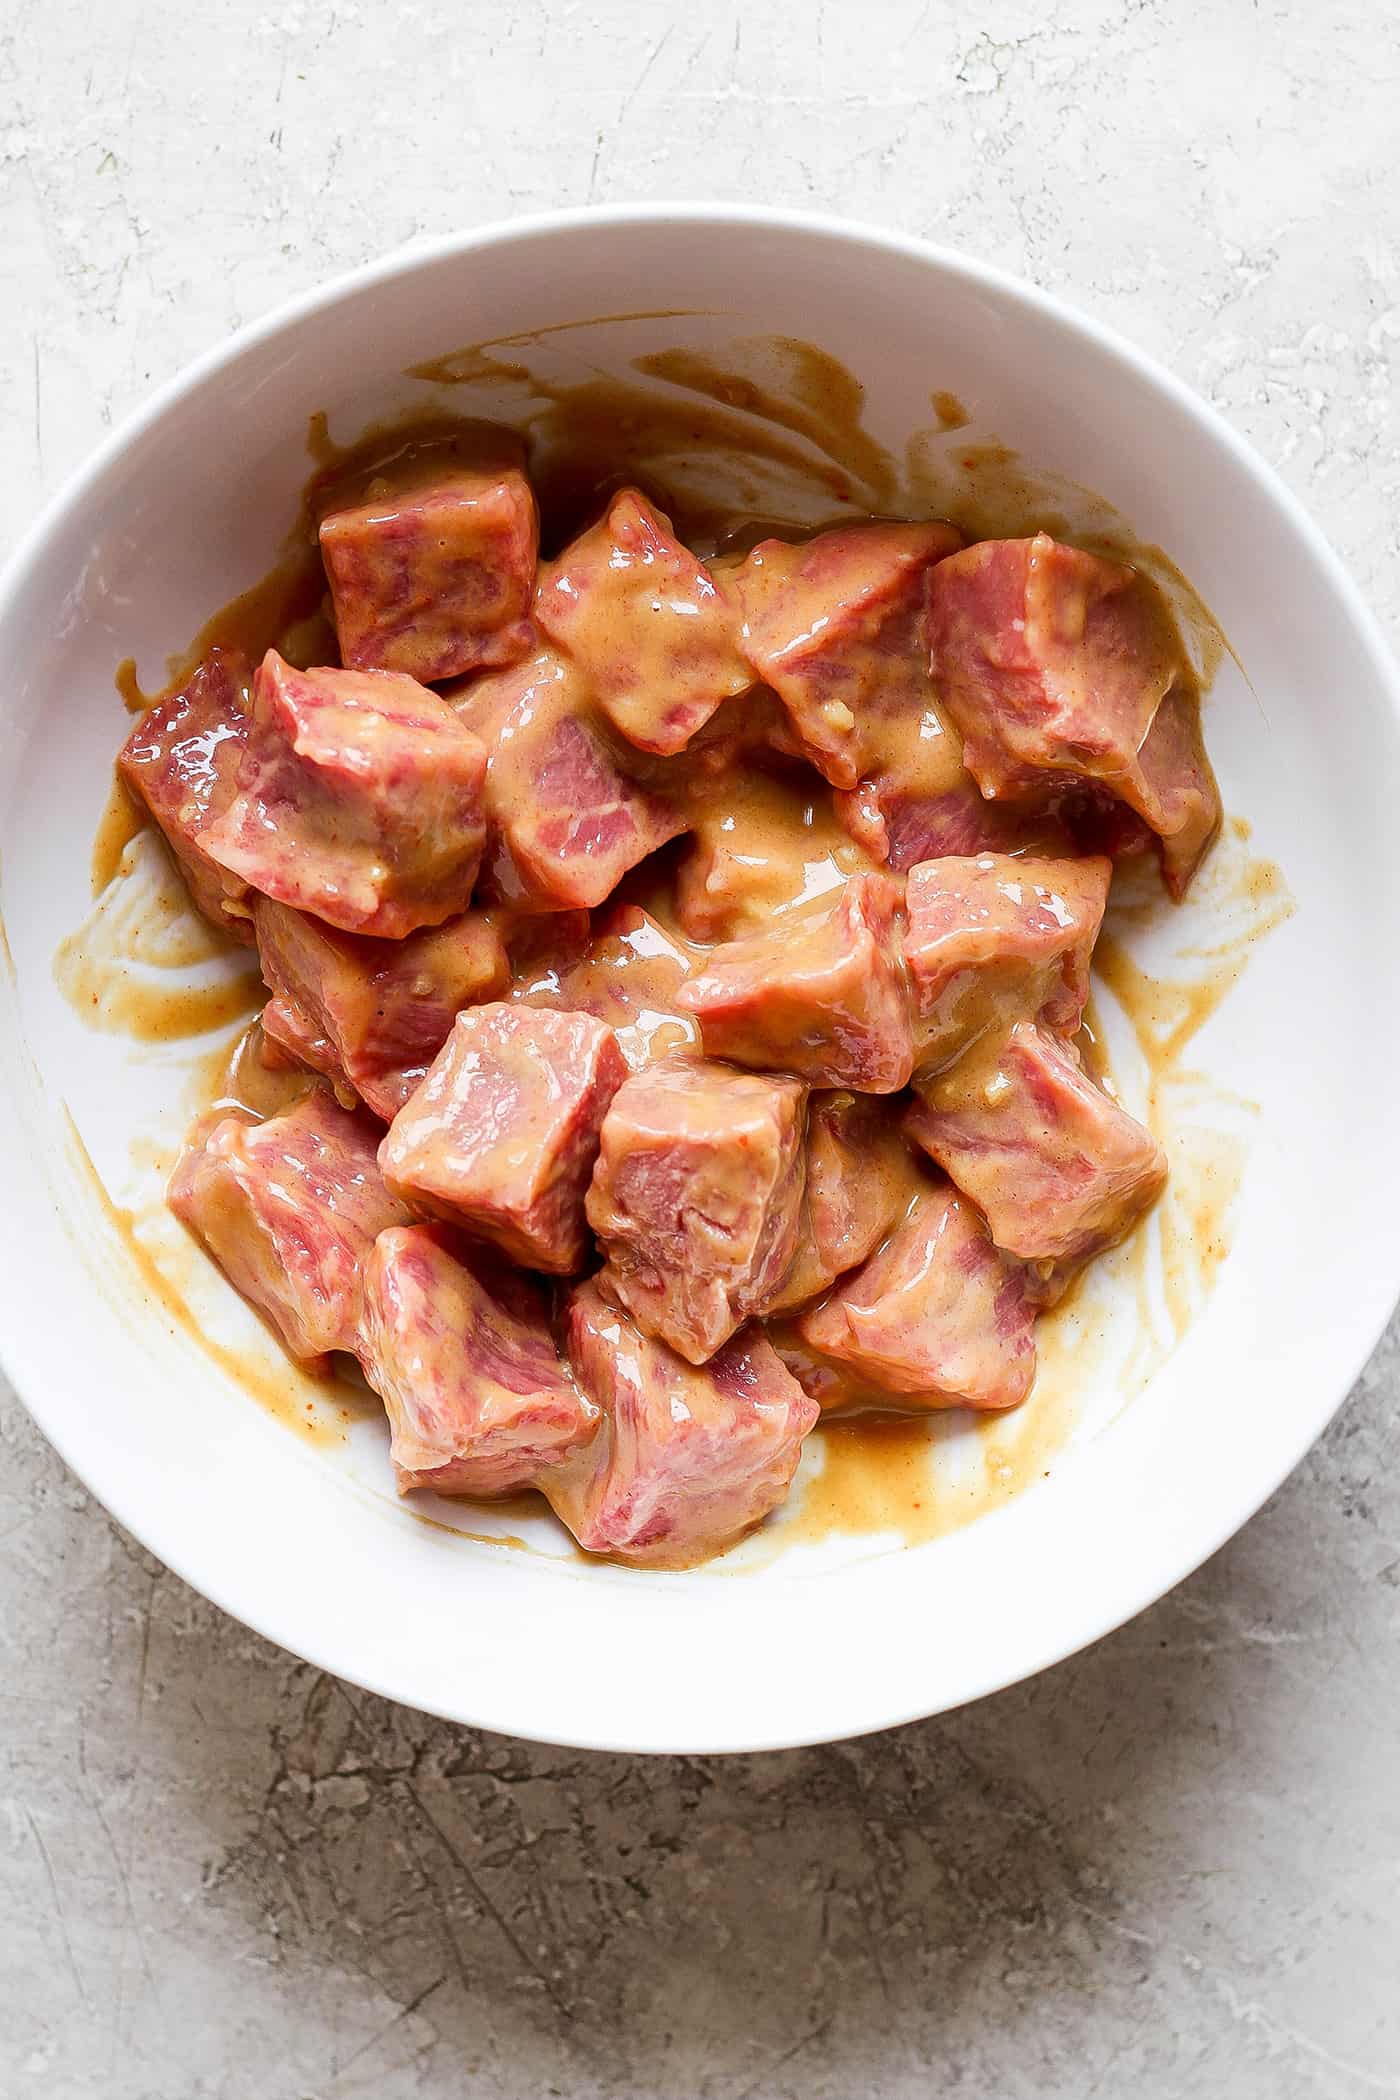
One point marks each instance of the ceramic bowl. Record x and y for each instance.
(1194, 1376)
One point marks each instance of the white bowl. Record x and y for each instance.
(305, 1543)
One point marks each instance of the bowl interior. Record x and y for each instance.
(1196, 1376)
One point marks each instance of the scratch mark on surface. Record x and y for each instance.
(57, 1905)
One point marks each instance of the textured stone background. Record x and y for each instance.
(1169, 1867)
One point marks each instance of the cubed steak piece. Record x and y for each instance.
(501, 1135)
(685, 1460)
(566, 818)
(627, 970)
(835, 626)
(938, 1316)
(181, 760)
(645, 623)
(460, 1352)
(1048, 659)
(823, 993)
(862, 1175)
(920, 804)
(385, 1007)
(1059, 1170)
(1174, 790)
(696, 1197)
(289, 1209)
(434, 579)
(993, 940)
(359, 799)
(1055, 665)
(290, 1037)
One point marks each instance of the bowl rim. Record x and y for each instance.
(16, 1359)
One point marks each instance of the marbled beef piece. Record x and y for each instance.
(460, 1351)
(434, 577)
(835, 626)
(181, 760)
(1058, 1169)
(645, 623)
(992, 940)
(697, 1196)
(567, 820)
(289, 1209)
(939, 1316)
(862, 1176)
(359, 799)
(1054, 664)
(823, 993)
(384, 1007)
(686, 1459)
(502, 1134)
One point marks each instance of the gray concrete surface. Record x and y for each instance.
(1170, 1867)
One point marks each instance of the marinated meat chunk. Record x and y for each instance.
(762, 842)
(939, 1315)
(685, 1460)
(1061, 668)
(359, 799)
(822, 994)
(645, 623)
(181, 760)
(992, 940)
(289, 1037)
(384, 1007)
(861, 1177)
(627, 970)
(1048, 660)
(697, 1196)
(435, 579)
(1059, 1170)
(566, 820)
(1174, 791)
(835, 626)
(289, 1209)
(460, 1352)
(502, 1134)
(921, 805)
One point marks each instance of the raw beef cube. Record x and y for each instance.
(289, 1209)
(182, 761)
(502, 1134)
(861, 1177)
(992, 940)
(1059, 1169)
(822, 994)
(461, 1353)
(939, 1315)
(685, 1460)
(1174, 790)
(359, 799)
(836, 627)
(385, 1007)
(566, 820)
(289, 1037)
(644, 622)
(627, 971)
(1047, 658)
(696, 1197)
(435, 580)
(761, 843)
(919, 806)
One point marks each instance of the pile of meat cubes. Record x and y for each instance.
(625, 1267)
